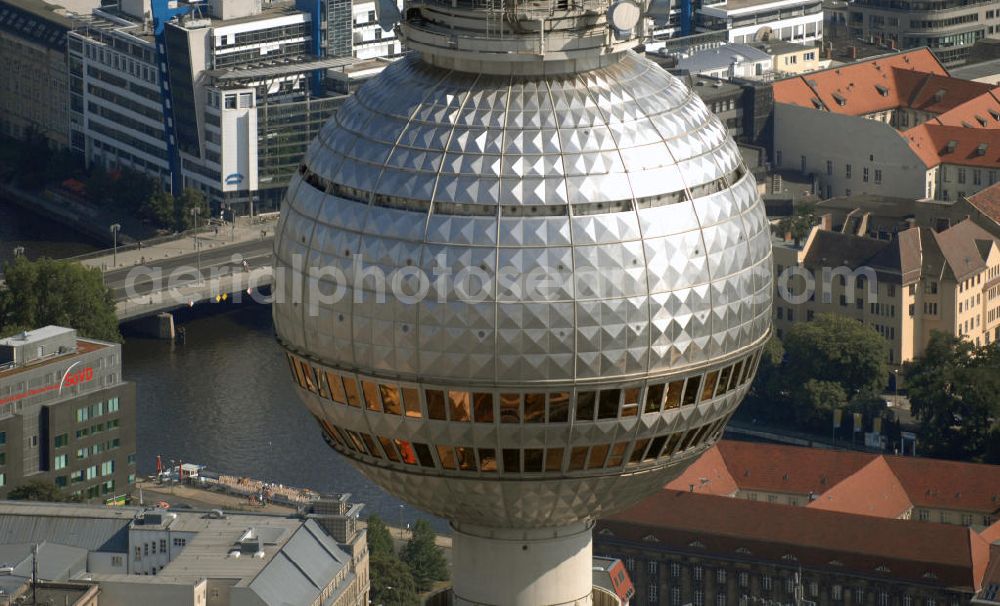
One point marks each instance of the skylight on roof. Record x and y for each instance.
(882, 90)
(981, 120)
(981, 149)
(839, 99)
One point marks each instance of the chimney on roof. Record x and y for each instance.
(826, 222)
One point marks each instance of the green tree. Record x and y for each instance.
(189, 200)
(954, 390)
(43, 292)
(840, 350)
(391, 582)
(799, 224)
(39, 490)
(132, 190)
(158, 208)
(820, 399)
(424, 557)
(391, 579)
(379, 539)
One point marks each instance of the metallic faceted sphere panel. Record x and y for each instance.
(615, 184)
(425, 167)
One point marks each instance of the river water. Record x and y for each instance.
(224, 399)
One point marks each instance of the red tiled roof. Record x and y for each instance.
(937, 93)
(874, 490)
(991, 534)
(981, 111)
(788, 469)
(949, 484)
(708, 474)
(955, 556)
(941, 144)
(865, 87)
(733, 465)
(987, 201)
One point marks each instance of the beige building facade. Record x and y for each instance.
(905, 288)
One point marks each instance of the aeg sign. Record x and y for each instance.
(85, 375)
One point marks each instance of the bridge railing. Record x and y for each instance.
(142, 243)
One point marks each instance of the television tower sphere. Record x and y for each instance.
(523, 279)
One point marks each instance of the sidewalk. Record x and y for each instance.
(133, 255)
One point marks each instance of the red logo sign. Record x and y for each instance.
(78, 378)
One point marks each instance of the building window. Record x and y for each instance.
(878, 176)
(720, 576)
(675, 569)
(60, 462)
(652, 596)
(697, 573)
(744, 579)
(630, 563)
(652, 566)
(113, 405)
(859, 596)
(864, 174)
(883, 598)
(61, 440)
(837, 592)
(675, 596)
(829, 167)
(847, 171)
(720, 599)
(966, 519)
(699, 597)
(765, 582)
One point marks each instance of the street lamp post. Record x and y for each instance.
(197, 244)
(115, 228)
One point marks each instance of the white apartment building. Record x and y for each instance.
(763, 20)
(247, 91)
(116, 111)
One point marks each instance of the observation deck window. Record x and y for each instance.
(482, 407)
(559, 407)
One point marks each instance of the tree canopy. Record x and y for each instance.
(391, 582)
(424, 557)
(799, 224)
(39, 490)
(827, 363)
(43, 292)
(837, 349)
(391, 579)
(953, 389)
(379, 539)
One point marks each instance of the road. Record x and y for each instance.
(257, 253)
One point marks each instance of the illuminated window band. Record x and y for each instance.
(522, 460)
(555, 407)
(459, 406)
